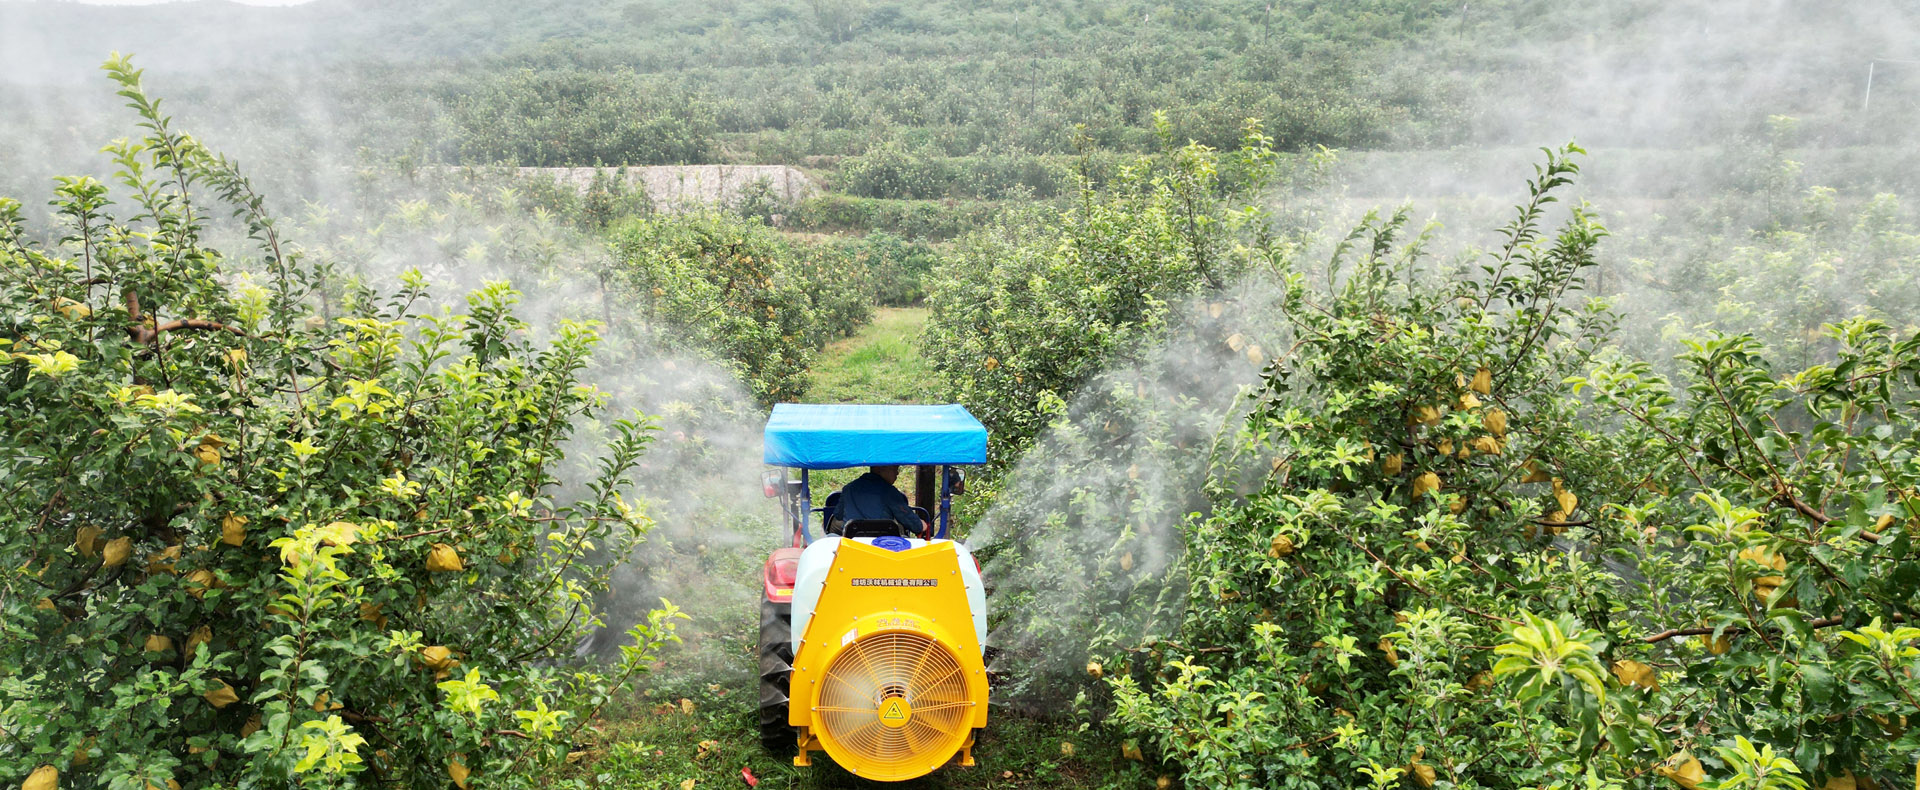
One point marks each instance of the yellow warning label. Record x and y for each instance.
(895, 712)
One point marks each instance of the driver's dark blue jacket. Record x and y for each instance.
(871, 496)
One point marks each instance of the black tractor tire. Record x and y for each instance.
(776, 668)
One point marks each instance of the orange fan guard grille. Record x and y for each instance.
(894, 704)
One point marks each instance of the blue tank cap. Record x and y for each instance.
(892, 543)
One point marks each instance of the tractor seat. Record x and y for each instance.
(830, 522)
(872, 528)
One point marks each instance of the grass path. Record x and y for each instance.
(879, 364)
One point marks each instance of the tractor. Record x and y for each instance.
(872, 631)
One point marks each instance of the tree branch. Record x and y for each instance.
(196, 323)
(1734, 630)
(1423, 591)
(392, 538)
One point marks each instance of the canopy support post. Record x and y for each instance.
(806, 509)
(946, 498)
(923, 486)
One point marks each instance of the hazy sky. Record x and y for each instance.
(151, 2)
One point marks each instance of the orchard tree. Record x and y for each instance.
(732, 287)
(1030, 309)
(254, 540)
(1482, 547)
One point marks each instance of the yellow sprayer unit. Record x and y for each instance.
(872, 635)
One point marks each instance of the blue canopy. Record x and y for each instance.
(837, 436)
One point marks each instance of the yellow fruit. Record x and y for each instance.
(1456, 505)
(1393, 656)
(208, 452)
(370, 612)
(1392, 464)
(1845, 780)
(1684, 769)
(1565, 499)
(1422, 774)
(1094, 669)
(1468, 401)
(1130, 749)
(233, 529)
(1163, 783)
(686, 706)
(222, 696)
(438, 658)
(457, 769)
(163, 562)
(44, 604)
(45, 777)
(1446, 447)
(993, 363)
(1280, 546)
(1425, 415)
(1717, 645)
(1481, 681)
(1126, 562)
(1486, 445)
(116, 552)
(1766, 558)
(1426, 483)
(1066, 748)
(83, 541)
(1482, 382)
(158, 643)
(1495, 422)
(200, 636)
(1535, 472)
(1634, 673)
(1236, 341)
(83, 752)
(252, 726)
(443, 558)
(198, 582)
(72, 309)
(324, 703)
(1257, 355)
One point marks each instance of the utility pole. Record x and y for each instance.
(1866, 101)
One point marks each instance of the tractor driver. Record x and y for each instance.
(872, 496)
